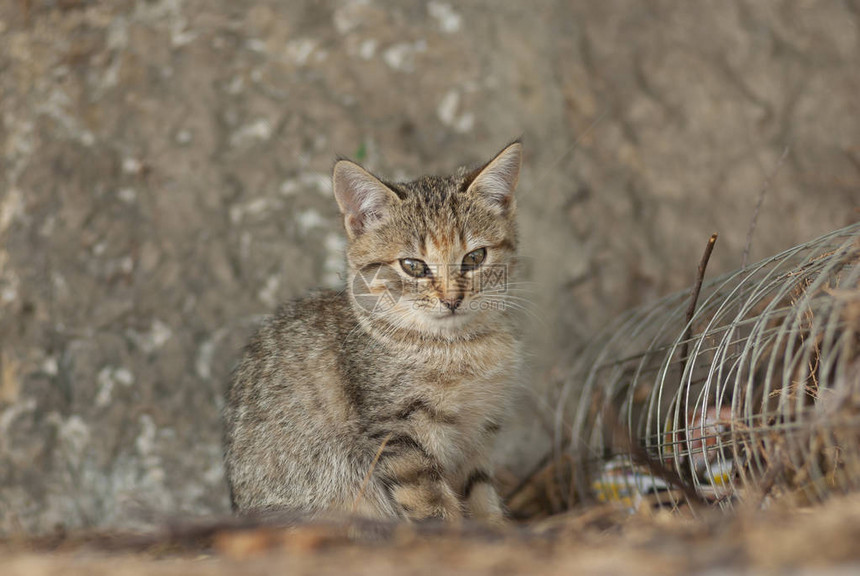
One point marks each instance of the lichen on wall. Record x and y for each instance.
(164, 185)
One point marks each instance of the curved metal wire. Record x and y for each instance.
(766, 404)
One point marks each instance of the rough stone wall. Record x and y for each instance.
(164, 182)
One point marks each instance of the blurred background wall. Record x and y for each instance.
(164, 182)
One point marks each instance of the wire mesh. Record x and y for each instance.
(761, 402)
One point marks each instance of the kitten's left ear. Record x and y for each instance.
(497, 181)
(363, 199)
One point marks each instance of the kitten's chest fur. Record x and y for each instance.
(452, 396)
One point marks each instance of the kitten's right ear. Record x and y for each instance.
(496, 181)
(363, 199)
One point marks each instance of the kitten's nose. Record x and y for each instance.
(452, 303)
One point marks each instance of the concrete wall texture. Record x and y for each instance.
(164, 182)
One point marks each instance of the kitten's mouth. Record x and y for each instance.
(448, 315)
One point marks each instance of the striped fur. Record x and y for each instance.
(387, 412)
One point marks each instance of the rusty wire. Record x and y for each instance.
(766, 405)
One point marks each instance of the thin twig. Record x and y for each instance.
(542, 465)
(694, 298)
(767, 483)
(761, 196)
(691, 311)
(576, 143)
(570, 150)
(370, 472)
(639, 455)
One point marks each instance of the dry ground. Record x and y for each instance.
(594, 541)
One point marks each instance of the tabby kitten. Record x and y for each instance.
(384, 399)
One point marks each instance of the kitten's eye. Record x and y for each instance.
(415, 268)
(474, 259)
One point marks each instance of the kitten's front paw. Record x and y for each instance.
(483, 502)
(428, 499)
(496, 520)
